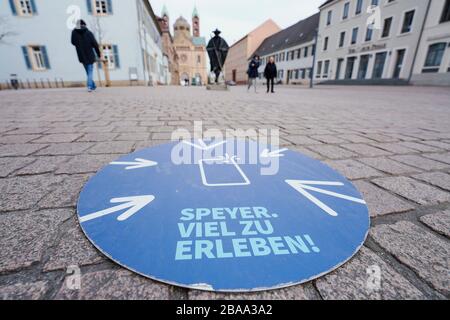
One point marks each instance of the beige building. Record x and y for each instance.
(236, 64)
(169, 48)
(191, 50)
(432, 64)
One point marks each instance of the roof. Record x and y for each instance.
(254, 30)
(301, 32)
(195, 13)
(326, 3)
(199, 41)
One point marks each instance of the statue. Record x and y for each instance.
(217, 51)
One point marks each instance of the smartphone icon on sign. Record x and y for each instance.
(222, 172)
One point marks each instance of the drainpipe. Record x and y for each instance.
(311, 82)
(419, 41)
(140, 40)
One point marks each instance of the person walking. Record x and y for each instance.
(270, 73)
(88, 51)
(253, 72)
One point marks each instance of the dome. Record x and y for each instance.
(182, 23)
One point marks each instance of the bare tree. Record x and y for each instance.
(5, 30)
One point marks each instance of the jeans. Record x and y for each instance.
(270, 82)
(252, 82)
(90, 76)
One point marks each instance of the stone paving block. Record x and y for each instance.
(25, 236)
(389, 166)
(133, 137)
(86, 163)
(66, 195)
(167, 136)
(20, 193)
(352, 169)
(161, 129)
(306, 152)
(355, 280)
(117, 147)
(18, 139)
(66, 148)
(366, 150)
(419, 146)
(332, 152)
(420, 162)
(290, 293)
(74, 249)
(381, 202)
(43, 164)
(115, 285)
(438, 144)
(438, 179)
(441, 157)
(16, 150)
(329, 139)
(439, 222)
(29, 130)
(98, 137)
(95, 129)
(355, 138)
(414, 190)
(423, 252)
(380, 137)
(302, 141)
(24, 291)
(60, 137)
(9, 165)
(395, 148)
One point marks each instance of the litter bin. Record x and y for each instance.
(14, 81)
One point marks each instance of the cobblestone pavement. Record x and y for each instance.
(392, 142)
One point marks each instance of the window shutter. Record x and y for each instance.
(33, 6)
(27, 57)
(116, 56)
(89, 6)
(46, 60)
(110, 7)
(13, 7)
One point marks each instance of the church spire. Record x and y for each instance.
(195, 13)
(195, 23)
(164, 12)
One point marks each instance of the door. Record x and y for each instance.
(349, 67)
(338, 68)
(378, 68)
(234, 75)
(288, 76)
(399, 63)
(363, 64)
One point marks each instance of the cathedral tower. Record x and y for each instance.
(195, 23)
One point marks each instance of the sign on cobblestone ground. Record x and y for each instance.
(217, 223)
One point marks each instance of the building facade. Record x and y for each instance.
(169, 48)
(293, 49)
(39, 50)
(191, 49)
(236, 65)
(368, 40)
(432, 65)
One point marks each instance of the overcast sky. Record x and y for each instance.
(235, 18)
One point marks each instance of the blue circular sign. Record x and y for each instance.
(230, 216)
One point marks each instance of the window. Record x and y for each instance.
(349, 68)
(319, 69)
(313, 49)
(346, 11)
(299, 53)
(446, 12)
(36, 58)
(101, 7)
(111, 55)
(326, 68)
(434, 57)
(342, 39)
(329, 17)
(199, 59)
(359, 4)
(23, 7)
(408, 21)
(378, 68)
(387, 27)
(374, 2)
(305, 52)
(325, 44)
(355, 35)
(369, 32)
(292, 55)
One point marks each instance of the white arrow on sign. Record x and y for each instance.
(133, 204)
(301, 186)
(274, 154)
(202, 145)
(138, 164)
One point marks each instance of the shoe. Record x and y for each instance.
(273, 91)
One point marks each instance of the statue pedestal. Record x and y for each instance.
(217, 87)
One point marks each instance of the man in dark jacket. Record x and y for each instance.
(88, 51)
(253, 72)
(270, 73)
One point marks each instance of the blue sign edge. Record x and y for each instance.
(207, 287)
